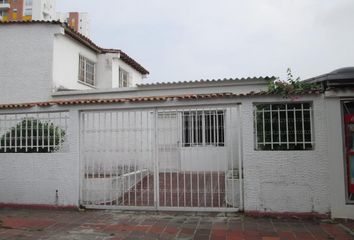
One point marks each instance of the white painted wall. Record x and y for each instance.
(66, 62)
(31, 178)
(26, 62)
(286, 181)
(275, 181)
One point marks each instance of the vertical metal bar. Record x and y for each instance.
(10, 133)
(148, 154)
(279, 130)
(156, 162)
(211, 172)
(178, 149)
(256, 126)
(111, 134)
(21, 135)
(216, 123)
(60, 130)
(31, 133)
(26, 127)
(295, 130)
(240, 156)
(311, 127)
(128, 155)
(271, 126)
(231, 135)
(303, 126)
(287, 126)
(141, 160)
(16, 123)
(5, 137)
(185, 131)
(123, 152)
(135, 146)
(37, 131)
(199, 114)
(105, 150)
(172, 151)
(48, 131)
(264, 132)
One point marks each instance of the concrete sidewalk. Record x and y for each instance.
(99, 225)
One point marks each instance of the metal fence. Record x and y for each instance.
(167, 159)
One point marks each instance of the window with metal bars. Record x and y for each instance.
(33, 133)
(283, 126)
(203, 128)
(87, 71)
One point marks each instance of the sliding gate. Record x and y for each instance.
(164, 159)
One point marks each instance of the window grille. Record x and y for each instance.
(33, 132)
(203, 128)
(86, 71)
(284, 126)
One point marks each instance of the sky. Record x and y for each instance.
(184, 40)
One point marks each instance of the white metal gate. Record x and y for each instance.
(165, 159)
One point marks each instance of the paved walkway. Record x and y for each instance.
(114, 225)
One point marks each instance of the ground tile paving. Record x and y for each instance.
(115, 225)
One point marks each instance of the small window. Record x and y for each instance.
(28, 2)
(14, 10)
(86, 71)
(283, 126)
(203, 128)
(123, 78)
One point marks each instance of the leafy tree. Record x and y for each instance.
(31, 135)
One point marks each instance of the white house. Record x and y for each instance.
(56, 58)
(208, 145)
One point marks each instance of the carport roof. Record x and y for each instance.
(338, 77)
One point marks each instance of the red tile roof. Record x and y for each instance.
(86, 41)
(145, 99)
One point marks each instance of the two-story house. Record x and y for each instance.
(54, 57)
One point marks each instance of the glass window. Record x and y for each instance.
(123, 78)
(86, 71)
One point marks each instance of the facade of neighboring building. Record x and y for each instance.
(26, 10)
(43, 10)
(79, 21)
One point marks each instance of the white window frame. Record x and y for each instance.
(202, 136)
(84, 62)
(297, 135)
(122, 82)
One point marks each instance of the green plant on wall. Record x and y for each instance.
(291, 86)
(32, 135)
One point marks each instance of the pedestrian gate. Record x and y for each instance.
(163, 159)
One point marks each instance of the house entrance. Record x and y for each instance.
(162, 159)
